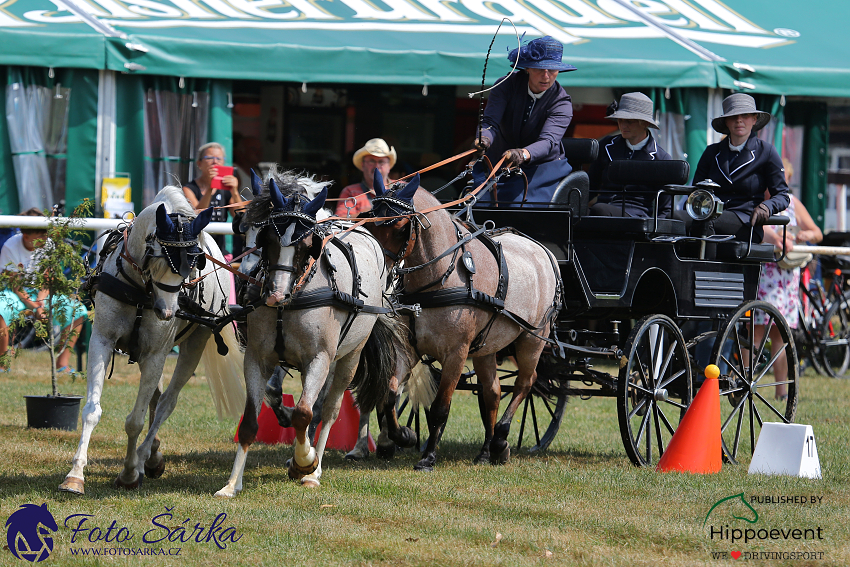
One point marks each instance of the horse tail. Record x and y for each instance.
(382, 357)
(421, 384)
(225, 375)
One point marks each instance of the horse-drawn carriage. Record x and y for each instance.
(693, 301)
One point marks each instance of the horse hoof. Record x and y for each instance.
(282, 413)
(155, 471)
(310, 482)
(297, 472)
(406, 438)
(424, 465)
(226, 493)
(119, 483)
(385, 451)
(481, 459)
(73, 485)
(503, 457)
(357, 455)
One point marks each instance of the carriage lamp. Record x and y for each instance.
(703, 205)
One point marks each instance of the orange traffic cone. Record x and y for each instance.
(269, 430)
(696, 445)
(344, 431)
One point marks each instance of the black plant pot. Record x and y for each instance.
(53, 412)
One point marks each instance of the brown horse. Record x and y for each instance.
(514, 300)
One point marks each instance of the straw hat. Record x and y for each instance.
(541, 53)
(375, 147)
(735, 105)
(635, 106)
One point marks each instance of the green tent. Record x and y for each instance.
(771, 46)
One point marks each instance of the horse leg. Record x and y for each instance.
(151, 461)
(247, 433)
(361, 448)
(401, 435)
(489, 395)
(313, 378)
(317, 405)
(528, 351)
(439, 414)
(339, 379)
(154, 464)
(151, 368)
(100, 353)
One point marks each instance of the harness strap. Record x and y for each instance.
(125, 293)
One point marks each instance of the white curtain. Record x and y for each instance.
(37, 118)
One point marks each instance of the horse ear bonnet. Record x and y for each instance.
(396, 201)
(292, 217)
(256, 184)
(178, 237)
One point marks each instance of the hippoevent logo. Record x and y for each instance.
(735, 521)
(29, 532)
(569, 21)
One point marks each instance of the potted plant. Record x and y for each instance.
(52, 281)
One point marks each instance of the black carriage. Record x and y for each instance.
(692, 300)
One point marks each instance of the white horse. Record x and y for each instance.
(138, 288)
(320, 307)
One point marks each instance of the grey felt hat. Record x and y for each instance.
(635, 106)
(735, 105)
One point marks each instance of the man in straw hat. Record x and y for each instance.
(357, 198)
(745, 167)
(527, 115)
(634, 116)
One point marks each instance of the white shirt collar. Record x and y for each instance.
(737, 148)
(535, 96)
(639, 146)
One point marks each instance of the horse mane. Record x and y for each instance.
(290, 183)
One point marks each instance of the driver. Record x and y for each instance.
(634, 116)
(526, 117)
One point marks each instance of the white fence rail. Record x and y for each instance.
(93, 224)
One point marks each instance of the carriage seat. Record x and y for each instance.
(737, 250)
(574, 189)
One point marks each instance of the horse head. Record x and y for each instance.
(396, 235)
(175, 244)
(286, 237)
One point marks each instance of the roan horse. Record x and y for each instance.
(321, 303)
(505, 290)
(138, 280)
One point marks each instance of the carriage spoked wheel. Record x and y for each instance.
(747, 381)
(654, 388)
(834, 335)
(543, 409)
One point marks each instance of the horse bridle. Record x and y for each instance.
(309, 268)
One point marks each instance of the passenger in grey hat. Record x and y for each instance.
(745, 167)
(635, 118)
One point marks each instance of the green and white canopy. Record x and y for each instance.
(769, 46)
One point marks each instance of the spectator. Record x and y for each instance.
(357, 198)
(19, 253)
(200, 193)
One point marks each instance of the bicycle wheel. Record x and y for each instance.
(834, 333)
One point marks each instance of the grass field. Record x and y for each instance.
(582, 503)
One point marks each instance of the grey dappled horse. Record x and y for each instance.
(446, 332)
(304, 318)
(163, 247)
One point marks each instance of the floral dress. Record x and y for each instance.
(779, 287)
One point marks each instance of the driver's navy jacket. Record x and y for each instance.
(541, 135)
(742, 184)
(639, 199)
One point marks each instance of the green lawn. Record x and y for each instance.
(582, 503)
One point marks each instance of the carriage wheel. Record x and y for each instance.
(543, 409)
(834, 334)
(654, 388)
(747, 385)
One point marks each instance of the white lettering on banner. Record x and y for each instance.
(651, 8)
(257, 8)
(443, 11)
(401, 10)
(573, 12)
(569, 21)
(519, 14)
